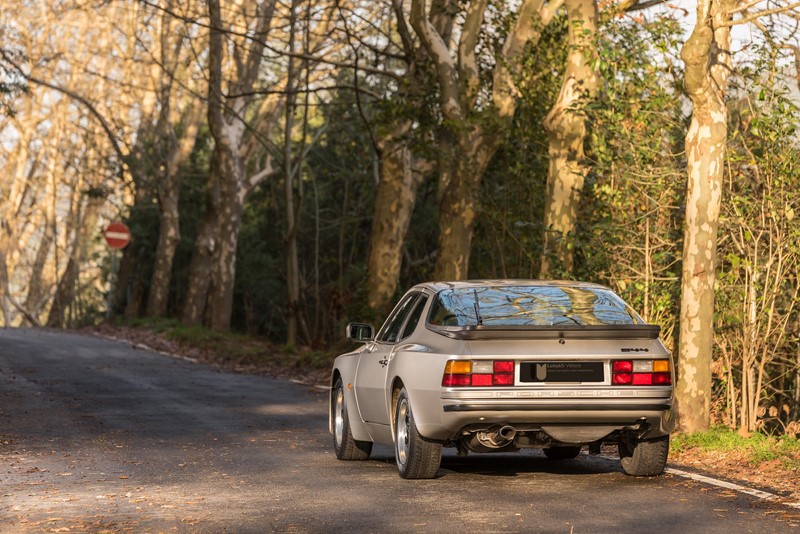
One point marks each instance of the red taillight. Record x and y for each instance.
(503, 380)
(455, 381)
(504, 367)
(622, 366)
(662, 379)
(621, 379)
(642, 379)
(481, 380)
(478, 373)
(640, 373)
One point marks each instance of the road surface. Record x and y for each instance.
(96, 435)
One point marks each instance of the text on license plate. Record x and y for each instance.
(561, 372)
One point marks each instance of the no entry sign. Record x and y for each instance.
(117, 235)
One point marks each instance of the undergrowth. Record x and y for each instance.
(756, 448)
(233, 347)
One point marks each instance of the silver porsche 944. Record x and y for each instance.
(500, 365)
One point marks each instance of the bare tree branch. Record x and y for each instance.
(75, 96)
(759, 14)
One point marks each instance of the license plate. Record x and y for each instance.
(561, 372)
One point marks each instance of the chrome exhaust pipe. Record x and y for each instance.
(505, 435)
(496, 438)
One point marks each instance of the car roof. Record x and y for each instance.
(468, 284)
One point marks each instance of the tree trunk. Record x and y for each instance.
(394, 204)
(65, 292)
(468, 146)
(293, 204)
(464, 161)
(707, 57)
(36, 294)
(202, 263)
(168, 239)
(169, 217)
(5, 305)
(12, 196)
(220, 295)
(566, 129)
(214, 255)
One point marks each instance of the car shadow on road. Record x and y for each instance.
(511, 465)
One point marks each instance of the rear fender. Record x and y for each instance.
(346, 369)
(420, 372)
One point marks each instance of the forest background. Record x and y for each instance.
(288, 166)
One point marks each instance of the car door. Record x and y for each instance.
(370, 383)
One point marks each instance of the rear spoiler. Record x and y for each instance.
(621, 331)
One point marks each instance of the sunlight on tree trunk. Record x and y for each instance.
(394, 204)
(65, 292)
(174, 153)
(708, 66)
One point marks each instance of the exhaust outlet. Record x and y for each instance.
(497, 437)
(507, 433)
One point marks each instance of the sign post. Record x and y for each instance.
(117, 236)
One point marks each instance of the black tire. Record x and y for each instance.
(562, 453)
(644, 458)
(346, 447)
(416, 456)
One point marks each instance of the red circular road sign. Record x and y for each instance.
(117, 235)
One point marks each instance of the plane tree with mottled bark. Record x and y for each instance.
(175, 133)
(232, 79)
(473, 117)
(708, 57)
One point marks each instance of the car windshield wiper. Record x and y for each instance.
(477, 307)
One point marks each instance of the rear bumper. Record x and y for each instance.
(548, 407)
(647, 408)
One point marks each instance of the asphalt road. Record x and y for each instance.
(98, 436)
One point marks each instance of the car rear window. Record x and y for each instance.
(530, 306)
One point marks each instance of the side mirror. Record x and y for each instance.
(360, 332)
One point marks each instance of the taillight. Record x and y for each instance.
(640, 373)
(478, 373)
